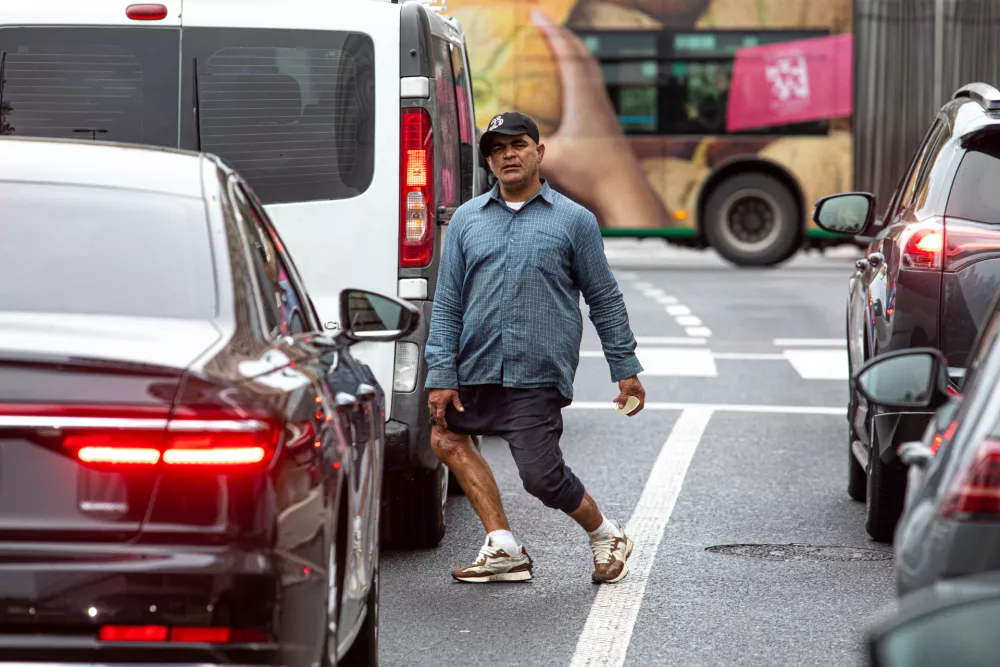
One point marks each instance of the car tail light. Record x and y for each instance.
(146, 12)
(186, 634)
(923, 246)
(416, 187)
(145, 438)
(133, 633)
(975, 495)
(967, 242)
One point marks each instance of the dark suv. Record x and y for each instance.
(931, 271)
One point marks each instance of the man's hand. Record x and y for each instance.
(438, 401)
(631, 387)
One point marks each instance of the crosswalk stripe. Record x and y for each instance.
(809, 364)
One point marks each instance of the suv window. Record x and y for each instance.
(106, 84)
(447, 124)
(974, 194)
(94, 251)
(292, 110)
(466, 112)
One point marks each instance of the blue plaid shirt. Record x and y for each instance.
(507, 305)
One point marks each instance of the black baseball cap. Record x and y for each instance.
(510, 123)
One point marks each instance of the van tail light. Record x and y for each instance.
(126, 437)
(975, 495)
(966, 242)
(922, 246)
(416, 187)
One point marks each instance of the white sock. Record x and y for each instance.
(504, 539)
(605, 528)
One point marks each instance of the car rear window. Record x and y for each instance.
(107, 84)
(974, 193)
(292, 111)
(85, 250)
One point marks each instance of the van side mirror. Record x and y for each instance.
(369, 316)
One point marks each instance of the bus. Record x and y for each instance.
(706, 123)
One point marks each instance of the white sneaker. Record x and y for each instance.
(495, 564)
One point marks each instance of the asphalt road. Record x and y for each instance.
(743, 442)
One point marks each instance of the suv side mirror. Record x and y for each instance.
(903, 379)
(848, 213)
(369, 316)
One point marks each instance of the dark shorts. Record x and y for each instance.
(530, 420)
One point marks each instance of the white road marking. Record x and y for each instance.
(688, 321)
(665, 299)
(720, 407)
(608, 631)
(667, 361)
(698, 332)
(666, 340)
(749, 356)
(819, 364)
(810, 342)
(642, 287)
(628, 275)
(678, 310)
(653, 293)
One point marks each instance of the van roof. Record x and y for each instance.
(99, 164)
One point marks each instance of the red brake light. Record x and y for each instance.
(416, 187)
(922, 246)
(975, 495)
(146, 12)
(133, 633)
(201, 635)
(969, 242)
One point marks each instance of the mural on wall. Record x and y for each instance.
(536, 56)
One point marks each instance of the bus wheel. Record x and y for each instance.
(752, 220)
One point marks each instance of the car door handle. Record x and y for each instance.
(345, 400)
(366, 390)
(876, 258)
(444, 214)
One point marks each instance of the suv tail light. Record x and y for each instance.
(968, 242)
(416, 187)
(975, 495)
(923, 245)
(126, 437)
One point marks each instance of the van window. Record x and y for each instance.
(463, 90)
(447, 125)
(104, 84)
(292, 110)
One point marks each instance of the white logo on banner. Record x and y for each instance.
(789, 78)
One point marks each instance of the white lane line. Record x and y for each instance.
(665, 299)
(678, 310)
(628, 275)
(819, 364)
(810, 342)
(642, 287)
(721, 407)
(653, 292)
(749, 356)
(688, 321)
(729, 356)
(667, 340)
(698, 332)
(608, 631)
(667, 361)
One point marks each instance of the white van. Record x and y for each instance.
(353, 121)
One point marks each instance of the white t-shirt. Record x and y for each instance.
(516, 205)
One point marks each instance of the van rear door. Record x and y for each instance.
(88, 71)
(300, 97)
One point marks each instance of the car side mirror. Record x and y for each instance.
(847, 213)
(915, 454)
(955, 629)
(372, 317)
(903, 379)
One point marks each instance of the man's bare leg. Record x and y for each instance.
(588, 515)
(473, 474)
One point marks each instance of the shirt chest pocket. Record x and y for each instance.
(548, 252)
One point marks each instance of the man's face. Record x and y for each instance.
(514, 160)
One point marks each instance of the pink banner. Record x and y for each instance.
(791, 82)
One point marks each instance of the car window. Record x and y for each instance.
(921, 188)
(297, 309)
(95, 251)
(907, 182)
(974, 194)
(923, 157)
(447, 125)
(293, 111)
(466, 114)
(105, 84)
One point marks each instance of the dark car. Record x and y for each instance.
(931, 271)
(950, 526)
(190, 470)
